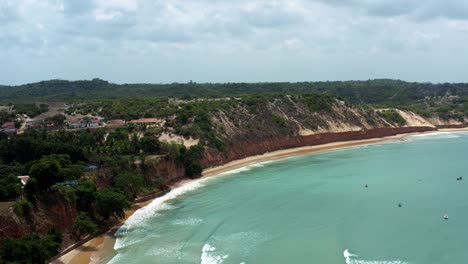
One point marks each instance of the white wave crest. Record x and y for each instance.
(151, 210)
(247, 167)
(349, 260)
(437, 135)
(377, 262)
(187, 222)
(208, 257)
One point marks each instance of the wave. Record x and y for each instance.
(438, 135)
(349, 259)
(187, 222)
(208, 257)
(160, 204)
(247, 167)
(151, 210)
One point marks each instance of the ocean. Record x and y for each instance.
(316, 208)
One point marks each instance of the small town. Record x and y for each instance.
(56, 119)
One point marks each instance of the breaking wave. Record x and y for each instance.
(151, 210)
(436, 135)
(247, 167)
(187, 222)
(208, 256)
(350, 259)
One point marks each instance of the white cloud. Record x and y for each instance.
(293, 44)
(461, 25)
(103, 15)
(424, 36)
(172, 35)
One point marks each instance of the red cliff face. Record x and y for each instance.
(58, 212)
(164, 167)
(257, 147)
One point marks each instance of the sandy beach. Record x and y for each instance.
(101, 247)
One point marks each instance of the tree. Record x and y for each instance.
(72, 172)
(86, 193)
(192, 164)
(130, 183)
(193, 169)
(31, 188)
(9, 187)
(150, 144)
(52, 169)
(111, 203)
(57, 119)
(47, 172)
(83, 225)
(32, 249)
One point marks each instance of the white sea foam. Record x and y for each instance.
(248, 167)
(236, 171)
(349, 259)
(208, 256)
(187, 222)
(159, 204)
(437, 135)
(151, 210)
(170, 251)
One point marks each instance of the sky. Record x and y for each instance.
(164, 41)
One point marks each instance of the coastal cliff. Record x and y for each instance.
(140, 162)
(287, 122)
(55, 209)
(212, 157)
(58, 209)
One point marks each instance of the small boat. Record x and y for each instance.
(460, 178)
(399, 205)
(445, 216)
(366, 186)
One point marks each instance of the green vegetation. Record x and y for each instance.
(381, 92)
(34, 249)
(56, 162)
(279, 121)
(111, 203)
(392, 117)
(372, 91)
(130, 183)
(318, 102)
(9, 187)
(29, 109)
(23, 208)
(52, 169)
(83, 226)
(9, 113)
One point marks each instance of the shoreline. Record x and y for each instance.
(102, 246)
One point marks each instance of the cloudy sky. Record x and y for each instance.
(163, 41)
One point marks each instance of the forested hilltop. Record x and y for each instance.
(371, 91)
(447, 100)
(74, 155)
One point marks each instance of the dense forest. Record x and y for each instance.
(371, 91)
(58, 163)
(447, 100)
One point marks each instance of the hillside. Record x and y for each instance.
(447, 100)
(371, 91)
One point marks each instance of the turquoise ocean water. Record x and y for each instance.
(316, 209)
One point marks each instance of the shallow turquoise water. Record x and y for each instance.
(309, 209)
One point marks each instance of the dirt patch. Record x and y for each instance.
(4, 206)
(187, 142)
(55, 108)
